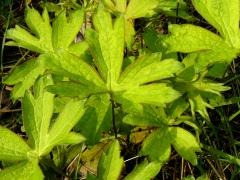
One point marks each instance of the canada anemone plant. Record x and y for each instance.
(109, 93)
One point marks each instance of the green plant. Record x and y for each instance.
(42, 134)
(208, 46)
(109, 91)
(47, 40)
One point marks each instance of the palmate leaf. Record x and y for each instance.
(108, 58)
(129, 85)
(224, 16)
(212, 48)
(40, 26)
(183, 142)
(44, 40)
(132, 86)
(158, 144)
(199, 93)
(47, 38)
(37, 117)
(37, 114)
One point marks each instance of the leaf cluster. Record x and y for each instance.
(154, 90)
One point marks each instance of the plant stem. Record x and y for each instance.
(113, 119)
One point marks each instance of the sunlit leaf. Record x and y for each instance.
(12, 147)
(158, 145)
(37, 114)
(149, 68)
(110, 164)
(157, 94)
(110, 33)
(65, 29)
(97, 118)
(185, 144)
(224, 16)
(144, 171)
(27, 170)
(66, 120)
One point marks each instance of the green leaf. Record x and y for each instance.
(64, 32)
(18, 74)
(69, 88)
(210, 86)
(37, 114)
(203, 177)
(92, 38)
(27, 170)
(169, 8)
(150, 116)
(153, 42)
(211, 48)
(148, 68)
(24, 76)
(198, 105)
(96, 119)
(109, 33)
(66, 29)
(185, 144)
(129, 32)
(72, 138)
(158, 145)
(40, 26)
(191, 177)
(218, 70)
(141, 8)
(12, 147)
(110, 165)
(157, 94)
(196, 39)
(79, 49)
(178, 107)
(75, 68)
(201, 92)
(193, 39)
(60, 35)
(66, 120)
(144, 171)
(224, 16)
(37, 118)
